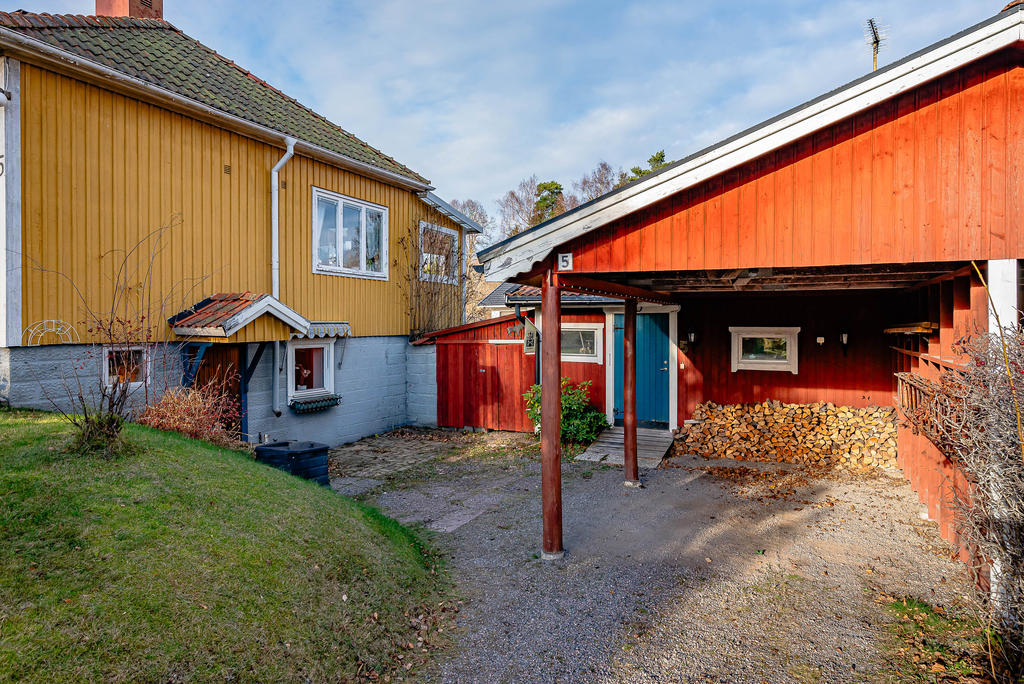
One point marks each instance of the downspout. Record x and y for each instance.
(275, 258)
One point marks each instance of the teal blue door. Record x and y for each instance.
(652, 369)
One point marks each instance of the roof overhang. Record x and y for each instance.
(16, 44)
(265, 305)
(521, 253)
(451, 212)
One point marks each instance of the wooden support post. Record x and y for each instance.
(629, 394)
(551, 415)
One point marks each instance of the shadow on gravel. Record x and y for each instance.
(683, 580)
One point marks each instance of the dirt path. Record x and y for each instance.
(702, 575)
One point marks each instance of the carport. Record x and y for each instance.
(813, 256)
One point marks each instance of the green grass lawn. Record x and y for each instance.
(184, 561)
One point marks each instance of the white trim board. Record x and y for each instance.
(519, 254)
(10, 193)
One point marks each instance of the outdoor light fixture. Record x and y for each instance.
(844, 339)
(691, 336)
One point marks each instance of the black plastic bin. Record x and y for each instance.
(302, 459)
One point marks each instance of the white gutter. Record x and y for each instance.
(275, 247)
(48, 55)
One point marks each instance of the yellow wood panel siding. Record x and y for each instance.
(103, 173)
(266, 328)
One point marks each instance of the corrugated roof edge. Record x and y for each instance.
(430, 337)
(767, 122)
(23, 20)
(451, 212)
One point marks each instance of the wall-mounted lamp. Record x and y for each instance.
(844, 339)
(689, 341)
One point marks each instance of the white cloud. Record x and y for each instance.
(477, 95)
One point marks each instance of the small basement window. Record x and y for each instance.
(350, 236)
(439, 254)
(310, 369)
(125, 364)
(582, 342)
(764, 349)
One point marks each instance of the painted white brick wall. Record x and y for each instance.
(372, 386)
(421, 384)
(39, 377)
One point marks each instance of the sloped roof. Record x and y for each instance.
(159, 54)
(529, 294)
(508, 294)
(225, 313)
(496, 298)
(521, 252)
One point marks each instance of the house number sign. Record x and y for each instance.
(565, 262)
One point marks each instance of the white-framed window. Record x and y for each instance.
(583, 342)
(764, 349)
(310, 368)
(350, 236)
(439, 254)
(126, 364)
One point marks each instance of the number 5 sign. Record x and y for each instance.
(565, 262)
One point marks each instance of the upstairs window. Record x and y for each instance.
(350, 236)
(439, 254)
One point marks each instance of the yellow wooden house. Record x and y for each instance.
(150, 179)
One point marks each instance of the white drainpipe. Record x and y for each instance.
(275, 191)
(275, 258)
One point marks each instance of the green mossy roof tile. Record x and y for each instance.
(156, 52)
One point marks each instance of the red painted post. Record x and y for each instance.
(551, 415)
(629, 393)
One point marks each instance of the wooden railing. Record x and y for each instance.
(915, 397)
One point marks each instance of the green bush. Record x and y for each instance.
(581, 422)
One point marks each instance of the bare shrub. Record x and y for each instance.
(435, 277)
(977, 425)
(113, 380)
(209, 411)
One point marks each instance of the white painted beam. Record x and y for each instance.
(1003, 287)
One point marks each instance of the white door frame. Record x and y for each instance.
(673, 357)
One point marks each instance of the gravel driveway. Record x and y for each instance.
(703, 575)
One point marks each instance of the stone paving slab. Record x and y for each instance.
(382, 455)
(354, 486)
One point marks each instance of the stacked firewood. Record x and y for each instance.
(820, 434)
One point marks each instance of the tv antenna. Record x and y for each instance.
(875, 34)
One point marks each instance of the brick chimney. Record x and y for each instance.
(141, 9)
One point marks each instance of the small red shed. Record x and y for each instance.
(482, 372)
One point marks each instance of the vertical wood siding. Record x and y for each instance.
(482, 385)
(102, 171)
(859, 375)
(936, 174)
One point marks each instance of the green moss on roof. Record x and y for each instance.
(156, 52)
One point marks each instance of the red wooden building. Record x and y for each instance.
(785, 253)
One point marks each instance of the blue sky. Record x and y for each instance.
(478, 95)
